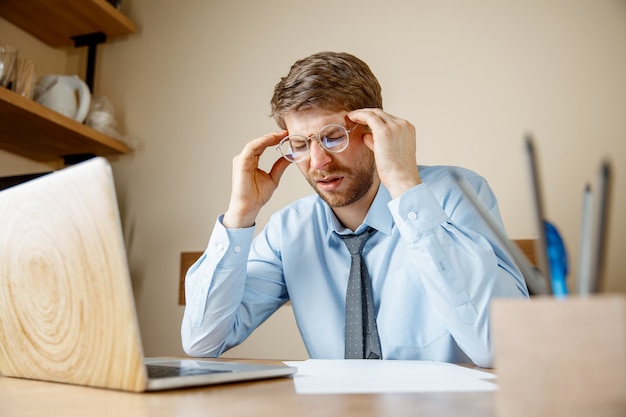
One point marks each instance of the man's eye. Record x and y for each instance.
(331, 141)
(298, 145)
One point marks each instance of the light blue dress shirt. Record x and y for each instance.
(433, 263)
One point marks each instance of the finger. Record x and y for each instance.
(257, 146)
(370, 116)
(368, 140)
(278, 169)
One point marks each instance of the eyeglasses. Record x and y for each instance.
(334, 138)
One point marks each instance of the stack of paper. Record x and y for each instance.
(317, 376)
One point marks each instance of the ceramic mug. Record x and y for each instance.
(66, 94)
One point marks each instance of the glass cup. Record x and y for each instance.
(8, 57)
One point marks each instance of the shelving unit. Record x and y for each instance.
(36, 132)
(32, 130)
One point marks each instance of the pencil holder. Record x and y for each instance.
(560, 357)
(24, 77)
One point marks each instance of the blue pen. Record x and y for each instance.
(557, 259)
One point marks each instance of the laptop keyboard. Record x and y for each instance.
(160, 371)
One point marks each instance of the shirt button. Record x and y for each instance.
(412, 215)
(220, 247)
(237, 249)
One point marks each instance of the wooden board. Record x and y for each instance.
(55, 22)
(39, 133)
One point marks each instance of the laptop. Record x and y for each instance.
(67, 311)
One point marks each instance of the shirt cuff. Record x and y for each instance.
(416, 212)
(230, 246)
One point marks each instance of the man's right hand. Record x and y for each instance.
(253, 187)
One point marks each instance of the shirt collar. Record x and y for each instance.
(379, 217)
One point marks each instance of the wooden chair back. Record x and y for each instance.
(188, 258)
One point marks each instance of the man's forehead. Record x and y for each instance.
(309, 122)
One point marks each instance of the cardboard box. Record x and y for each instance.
(560, 357)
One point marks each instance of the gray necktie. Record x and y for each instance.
(361, 333)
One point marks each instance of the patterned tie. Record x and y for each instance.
(361, 333)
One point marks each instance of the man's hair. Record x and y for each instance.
(328, 80)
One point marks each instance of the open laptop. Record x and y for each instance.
(67, 311)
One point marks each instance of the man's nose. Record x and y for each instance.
(319, 158)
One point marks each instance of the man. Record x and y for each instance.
(427, 268)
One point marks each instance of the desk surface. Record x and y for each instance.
(274, 397)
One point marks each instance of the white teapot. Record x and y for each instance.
(66, 94)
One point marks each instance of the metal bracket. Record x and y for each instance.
(91, 41)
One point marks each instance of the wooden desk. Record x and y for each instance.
(275, 397)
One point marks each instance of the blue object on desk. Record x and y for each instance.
(557, 259)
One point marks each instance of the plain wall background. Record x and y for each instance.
(194, 83)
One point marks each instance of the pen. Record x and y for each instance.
(586, 240)
(600, 226)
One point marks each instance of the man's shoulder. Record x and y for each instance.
(302, 208)
(443, 173)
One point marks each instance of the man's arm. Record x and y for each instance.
(213, 287)
(213, 320)
(461, 263)
(224, 302)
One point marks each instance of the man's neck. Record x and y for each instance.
(353, 215)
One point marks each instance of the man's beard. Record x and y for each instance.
(361, 178)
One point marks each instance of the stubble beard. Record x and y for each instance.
(361, 179)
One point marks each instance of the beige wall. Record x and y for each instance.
(193, 85)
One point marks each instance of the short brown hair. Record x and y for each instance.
(329, 80)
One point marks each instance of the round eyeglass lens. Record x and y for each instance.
(294, 148)
(334, 138)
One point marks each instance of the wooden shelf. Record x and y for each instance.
(55, 22)
(31, 130)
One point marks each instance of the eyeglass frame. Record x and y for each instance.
(308, 139)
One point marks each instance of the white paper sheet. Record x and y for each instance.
(318, 376)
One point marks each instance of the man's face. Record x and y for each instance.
(340, 179)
